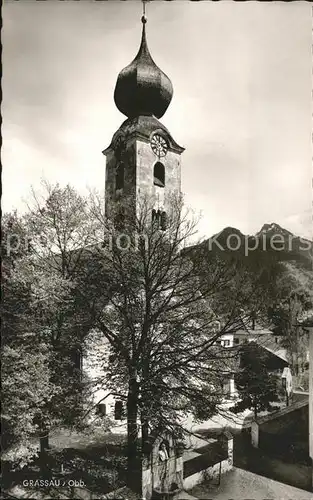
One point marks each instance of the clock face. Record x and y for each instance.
(159, 145)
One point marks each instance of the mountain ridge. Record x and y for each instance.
(271, 239)
(266, 229)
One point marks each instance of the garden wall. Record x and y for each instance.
(212, 461)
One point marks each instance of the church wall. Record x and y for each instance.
(146, 160)
(111, 194)
(93, 362)
(109, 182)
(130, 167)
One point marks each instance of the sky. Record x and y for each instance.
(242, 107)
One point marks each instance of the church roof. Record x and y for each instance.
(142, 88)
(142, 127)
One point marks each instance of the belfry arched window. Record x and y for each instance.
(119, 178)
(154, 217)
(159, 174)
(159, 218)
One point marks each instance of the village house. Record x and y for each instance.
(275, 355)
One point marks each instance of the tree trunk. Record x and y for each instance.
(145, 404)
(44, 445)
(255, 412)
(44, 441)
(145, 435)
(133, 469)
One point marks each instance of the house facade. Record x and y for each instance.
(275, 355)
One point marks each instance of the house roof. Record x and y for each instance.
(250, 331)
(272, 349)
(279, 353)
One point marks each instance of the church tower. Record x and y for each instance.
(143, 162)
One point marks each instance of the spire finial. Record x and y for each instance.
(144, 18)
(142, 88)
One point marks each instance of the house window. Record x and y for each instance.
(237, 341)
(159, 175)
(118, 410)
(226, 387)
(226, 343)
(102, 409)
(119, 178)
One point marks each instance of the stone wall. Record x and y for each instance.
(223, 452)
(207, 474)
(216, 459)
(279, 422)
(153, 468)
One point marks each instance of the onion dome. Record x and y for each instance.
(142, 88)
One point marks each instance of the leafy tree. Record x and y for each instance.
(26, 388)
(42, 329)
(293, 298)
(152, 302)
(257, 387)
(59, 225)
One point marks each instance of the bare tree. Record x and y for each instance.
(150, 301)
(159, 305)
